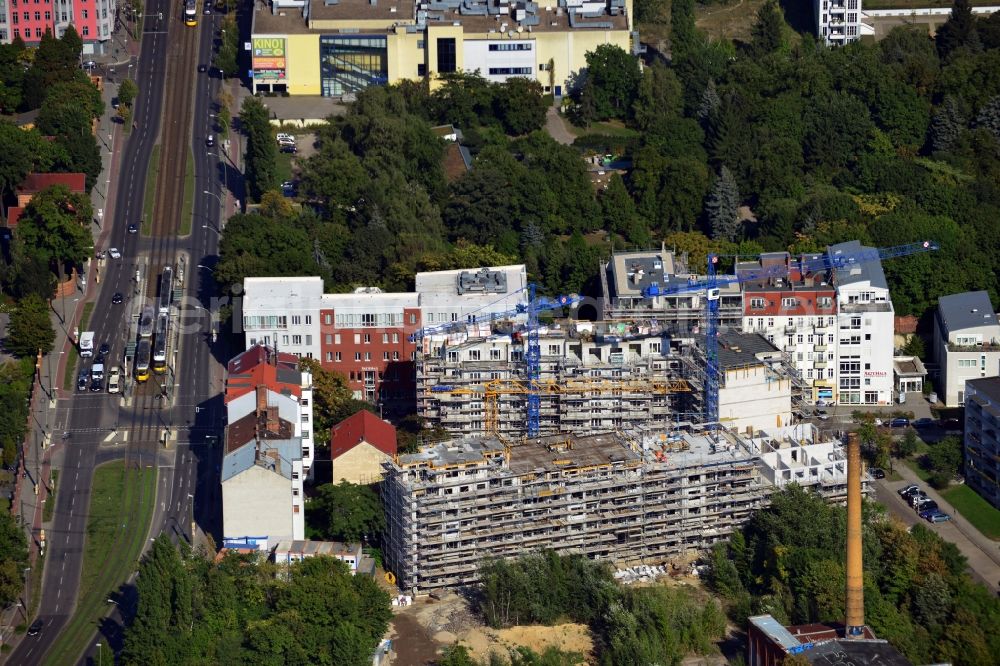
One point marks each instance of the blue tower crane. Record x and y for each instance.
(815, 263)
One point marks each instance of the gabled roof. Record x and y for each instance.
(36, 182)
(362, 427)
(258, 366)
(13, 215)
(254, 426)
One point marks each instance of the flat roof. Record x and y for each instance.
(569, 452)
(740, 349)
(775, 631)
(988, 385)
(970, 309)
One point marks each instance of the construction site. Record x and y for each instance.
(629, 496)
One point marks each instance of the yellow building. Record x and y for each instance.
(339, 47)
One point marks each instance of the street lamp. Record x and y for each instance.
(222, 205)
(207, 268)
(210, 228)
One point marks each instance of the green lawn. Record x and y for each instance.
(975, 509)
(121, 506)
(610, 128)
(187, 211)
(283, 167)
(920, 4)
(914, 464)
(50, 499)
(149, 199)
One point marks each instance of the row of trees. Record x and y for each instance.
(16, 378)
(630, 625)
(788, 561)
(13, 559)
(241, 610)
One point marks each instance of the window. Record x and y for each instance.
(309, 320)
(511, 46)
(510, 71)
(758, 303)
(385, 356)
(284, 339)
(329, 356)
(357, 338)
(453, 357)
(789, 302)
(337, 357)
(385, 338)
(296, 339)
(852, 17)
(800, 338)
(395, 356)
(84, 14)
(368, 356)
(421, 44)
(413, 318)
(421, 69)
(309, 340)
(824, 302)
(357, 356)
(553, 350)
(474, 355)
(494, 354)
(368, 338)
(86, 31)
(327, 319)
(829, 373)
(48, 16)
(966, 362)
(395, 338)
(446, 54)
(850, 367)
(328, 338)
(336, 338)
(296, 320)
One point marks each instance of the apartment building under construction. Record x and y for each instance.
(626, 497)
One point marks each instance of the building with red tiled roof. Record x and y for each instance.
(34, 183)
(359, 445)
(260, 368)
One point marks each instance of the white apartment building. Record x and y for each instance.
(368, 335)
(838, 22)
(262, 472)
(966, 342)
(752, 395)
(982, 443)
(864, 330)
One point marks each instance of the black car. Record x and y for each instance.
(36, 627)
(927, 505)
(877, 473)
(104, 349)
(285, 148)
(96, 386)
(133, 229)
(117, 299)
(899, 423)
(202, 68)
(82, 380)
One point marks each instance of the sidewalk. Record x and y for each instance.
(41, 452)
(983, 554)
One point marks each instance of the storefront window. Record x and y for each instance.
(351, 63)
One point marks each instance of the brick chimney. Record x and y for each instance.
(273, 423)
(261, 400)
(855, 624)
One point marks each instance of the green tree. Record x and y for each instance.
(55, 61)
(13, 559)
(722, 207)
(519, 105)
(347, 512)
(620, 216)
(932, 603)
(959, 31)
(944, 460)
(261, 152)
(333, 400)
(659, 97)
(908, 444)
(612, 81)
(989, 117)
(30, 328)
(127, 92)
(456, 654)
(946, 125)
(11, 76)
(915, 346)
(766, 33)
(55, 228)
(226, 58)
(333, 176)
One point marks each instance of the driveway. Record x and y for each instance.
(555, 125)
(982, 553)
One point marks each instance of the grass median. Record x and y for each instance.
(149, 198)
(50, 499)
(121, 506)
(73, 355)
(187, 210)
(975, 509)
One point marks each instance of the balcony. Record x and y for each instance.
(820, 365)
(820, 348)
(789, 330)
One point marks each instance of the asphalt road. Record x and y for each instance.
(93, 419)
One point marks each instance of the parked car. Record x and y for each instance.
(282, 136)
(288, 149)
(907, 490)
(877, 473)
(923, 423)
(36, 627)
(917, 498)
(939, 517)
(928, 508)
(899, 423)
